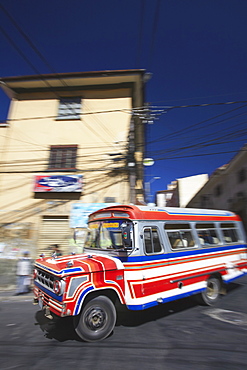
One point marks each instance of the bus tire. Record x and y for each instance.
(97, 319)
(211, 294)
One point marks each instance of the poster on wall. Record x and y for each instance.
(58, 183)
(80, 212)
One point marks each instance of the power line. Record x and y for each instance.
(31, 44)
(198, 155)
(196, 125)
(137, 111)
(26, 60)
(204, 144)
(213, 134)
(26, 37)
(19, 51)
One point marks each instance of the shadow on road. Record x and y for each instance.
(136, 318)
(62, 329)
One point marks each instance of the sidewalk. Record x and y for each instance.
(9, 295)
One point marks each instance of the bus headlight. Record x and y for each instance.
(57, 287)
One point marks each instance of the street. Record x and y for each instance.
(178, 335)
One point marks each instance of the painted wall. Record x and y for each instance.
(33, 128)
(189, 186)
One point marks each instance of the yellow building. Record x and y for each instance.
(69, 139)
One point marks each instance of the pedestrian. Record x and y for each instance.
(23, 273)
(56, 250)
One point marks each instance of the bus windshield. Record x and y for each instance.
(109, 234)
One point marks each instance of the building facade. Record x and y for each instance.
(69, 138)
(180, 191)
(226, 188)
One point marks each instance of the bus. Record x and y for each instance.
(140, 257)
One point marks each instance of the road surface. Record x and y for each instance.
(174, 336)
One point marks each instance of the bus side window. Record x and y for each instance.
(176, 240)
(207, 234)
(179, 235)
(230, 233)
(151, 240)
(147, 240)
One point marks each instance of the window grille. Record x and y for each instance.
(69, 108)
(62, 157)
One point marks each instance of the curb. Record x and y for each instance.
(9, 295)
(16, 298)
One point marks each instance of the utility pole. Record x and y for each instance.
(131, 162)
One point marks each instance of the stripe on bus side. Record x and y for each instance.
(152, 285)
(176, 258)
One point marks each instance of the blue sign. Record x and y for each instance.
(80, 212)
(61, 183)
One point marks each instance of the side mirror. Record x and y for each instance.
(126, 235)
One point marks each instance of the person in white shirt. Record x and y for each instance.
(23, 273)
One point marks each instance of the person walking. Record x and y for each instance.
(23, 274)
(56, 250)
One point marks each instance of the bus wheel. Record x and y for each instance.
(212, 292)
(97, 319)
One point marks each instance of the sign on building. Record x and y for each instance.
(58, 183)
(80, 212)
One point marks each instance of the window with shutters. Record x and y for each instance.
(69, 108)
(62, 157)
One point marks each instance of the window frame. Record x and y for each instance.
(218, 190)
(241, 175)
(232, 227)
(207, 227)
(56, 164)
(153, 252)
(69, 108)
(180, 228)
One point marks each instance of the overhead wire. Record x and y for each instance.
(197, 126)
(10, 40)
(154, 29)
(223, 133)
(206, 141)
(30, 210)
(134, 111)
(181, 133)
(205, 144)
(198, 155)
(27, 61)
(27, 38)
(32, 45)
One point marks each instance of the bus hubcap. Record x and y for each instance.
(95, 319)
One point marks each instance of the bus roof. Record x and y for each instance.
(164, 213)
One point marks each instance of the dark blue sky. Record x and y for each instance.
(196, 51)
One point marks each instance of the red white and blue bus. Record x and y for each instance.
(141, 256)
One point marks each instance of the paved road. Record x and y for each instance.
(178, 335)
